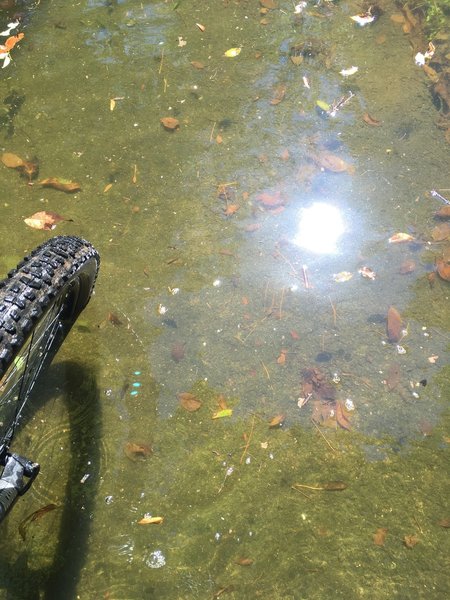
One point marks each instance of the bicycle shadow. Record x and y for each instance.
(26, 574)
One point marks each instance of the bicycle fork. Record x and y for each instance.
(12, 483)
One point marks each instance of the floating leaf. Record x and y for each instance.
(277, 421)
(379, 536)
(189, 402)
(394, 325)
(232, 52)
(170, 123)
(147, 520)
(220, 414)
(12, 161)
(399, 238)
(64, 185)
(45, 219)
(136, 452)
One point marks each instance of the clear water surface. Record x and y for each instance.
(227, 247)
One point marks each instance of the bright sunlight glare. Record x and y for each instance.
(320, 228)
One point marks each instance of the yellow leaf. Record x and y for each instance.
(232, 52)
(226, 412)
(151, 520)
(398, 238)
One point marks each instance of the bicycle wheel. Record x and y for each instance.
(39, 302)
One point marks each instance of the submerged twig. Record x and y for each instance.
(323, 435)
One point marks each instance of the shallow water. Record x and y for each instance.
(191, 299)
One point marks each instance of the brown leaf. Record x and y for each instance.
(443, 269)
(189, 402)
(281, 360)
(222, 402)
(379, 536)
(170, 123)
(197, 64)
(279, 94)
(64, 185)
(44, 220)
(370, 120)
(394, 325)
(137, 452)
(443, 212)
(244, 562)
(330, 162)
(441, 232)
(37, 514)
(407, 266)
(268, 4)
(444, 523)
(12, 161)
(270, 200)
(177, 351)
(393, 376)
(276, 421)
(410, 540)
(231, 209)
(341, 417)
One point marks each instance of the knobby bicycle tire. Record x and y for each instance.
(40, 300)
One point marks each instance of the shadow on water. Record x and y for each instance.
(52, 555)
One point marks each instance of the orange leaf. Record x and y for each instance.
(170, 123)
(189, 402)
(281, 360)
(276, 421)
(44, 220)
(379, 536)
(341, 418)
(231, 209)
(64, 185)
(270, 200)
(12, 161)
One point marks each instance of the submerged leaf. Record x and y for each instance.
(277, 421)
(232, 52)
(147, 520)
(12, 161)
(189, 402)
(64, 185)
(137, 452)
(37, 514)
(379, 536)
(45, 219)
(170, 123)
(225, 412)
(394, 325)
